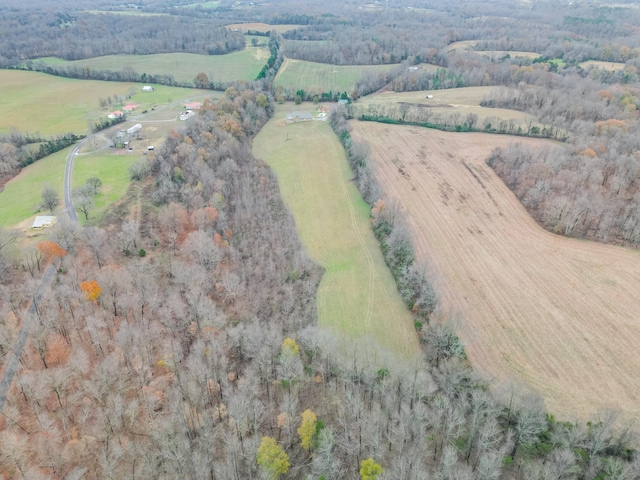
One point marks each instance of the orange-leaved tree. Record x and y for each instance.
(91, 290)
(51, 250)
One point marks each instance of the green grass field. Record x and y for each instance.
(357, 294)
(242, 65)
(21, 196)
(298, 74)
(447, 102)
(112, 169)
(36, 102)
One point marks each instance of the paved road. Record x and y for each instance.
(68, 198)
(13, 357)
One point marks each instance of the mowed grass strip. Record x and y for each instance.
(37, 102)
(357, 294)
(112, 169)
(242, 65)
(21, 195)
(298, 74)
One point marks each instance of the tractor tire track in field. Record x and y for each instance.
(557, 313)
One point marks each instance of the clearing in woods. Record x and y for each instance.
(447, 103)
(242, 65)
(612, 66)
(262, 27)
(557, 313)
(357, 294)
(321, 77)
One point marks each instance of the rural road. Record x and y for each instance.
(13, 357)
(68, 199)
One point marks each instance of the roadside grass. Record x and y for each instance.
(112, 169)
(242, 65)
(357, 294)
(37, 102)
(298, 74)
(21, 195)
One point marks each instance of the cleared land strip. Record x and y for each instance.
(559, 314)
(357, 294)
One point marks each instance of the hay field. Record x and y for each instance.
(322, 77)
(262, 27)
(36, 102)
(445, 102)
(559, 314)
(612, 66)
(242, 65)
(357, 295)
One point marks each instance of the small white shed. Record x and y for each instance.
(147, 88)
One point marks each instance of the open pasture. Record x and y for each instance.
(498, 54)
(112, 169)
(462, 45)
(447, 102)
(36, 102)
(357, 295)
(22, 194)
(559, 314)
(612, 66)
(298, 74)
(262, 27)
(242, 65)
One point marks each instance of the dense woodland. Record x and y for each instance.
(179, 337)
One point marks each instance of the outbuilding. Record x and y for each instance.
(147, 88)
(43, 221)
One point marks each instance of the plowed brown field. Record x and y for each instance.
(560, 314)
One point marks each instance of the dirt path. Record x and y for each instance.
(557, 313)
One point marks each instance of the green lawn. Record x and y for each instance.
(298, 74)
(36, 102)
(21, 196)
(357, 294)
(112, 169)
(242, 65)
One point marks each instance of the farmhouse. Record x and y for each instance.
(294, 117)
(193, 105)
(116, 114)
(147, 88)
(43, 221)
(130, 107)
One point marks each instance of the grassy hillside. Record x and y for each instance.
(21, 196)
(242, 65)
(357, 294)
(298, 74)
(36, 102)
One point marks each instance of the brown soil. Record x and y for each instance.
(560, 314)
